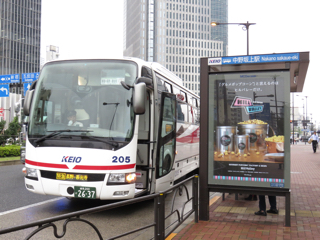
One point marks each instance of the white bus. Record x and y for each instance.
(109, 129)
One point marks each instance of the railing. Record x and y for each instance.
(159, 214)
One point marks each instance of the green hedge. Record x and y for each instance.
(10, 151)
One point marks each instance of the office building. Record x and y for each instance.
(175, 33)
(19, 44)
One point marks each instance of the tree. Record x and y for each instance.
(13, 129)
(2, 137)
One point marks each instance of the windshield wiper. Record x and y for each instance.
(114, 144)
(57, 132)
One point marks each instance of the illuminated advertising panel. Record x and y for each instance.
(247, 115)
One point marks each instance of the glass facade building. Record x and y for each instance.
(20, 36)
(20, 23)
(176, 34)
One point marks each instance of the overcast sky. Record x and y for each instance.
(82, 28)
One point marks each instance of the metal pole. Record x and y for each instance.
(195, 198)
(306, 108)
(247, 26)
(159, 232)
(287, 209)
(293, 118)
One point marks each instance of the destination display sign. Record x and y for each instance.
(283, 57)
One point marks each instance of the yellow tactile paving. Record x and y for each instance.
(282, 212)
(222, 209)
(251, 210)
(238, 210)
(303, 213)
(316, 213)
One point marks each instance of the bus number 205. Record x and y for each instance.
(121, 159)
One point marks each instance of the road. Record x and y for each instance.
(18, 206)
(13, 193)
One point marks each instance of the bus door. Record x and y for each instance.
(166, 142)
(143, 166)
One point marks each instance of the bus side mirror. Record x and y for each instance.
(139, 98)
(27, 102)
(17, 107)
(146, 80)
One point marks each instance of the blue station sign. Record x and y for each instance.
(10, 78)
(29, 77)
(268, 58)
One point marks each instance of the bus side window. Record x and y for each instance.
(161, 85)
(182, 111)
(168, 87)
(191, 114)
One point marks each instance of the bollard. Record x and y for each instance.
(195, 199)
(159, 215)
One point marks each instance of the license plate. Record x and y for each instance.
(85, 192)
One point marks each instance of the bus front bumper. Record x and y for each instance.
(68, 189)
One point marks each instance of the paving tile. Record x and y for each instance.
(222, 209)
(316, 213)
(282, 212)
(238, 210)
(303, 213)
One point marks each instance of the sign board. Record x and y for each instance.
(29, 77)
(4, 90)
(244, 135)
(26, 87)
(247, 136)
(10, 78)
(285, 57)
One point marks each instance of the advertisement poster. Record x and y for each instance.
(248, 126)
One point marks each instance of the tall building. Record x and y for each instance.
(20, 22)
(175, 33)
(219, 13)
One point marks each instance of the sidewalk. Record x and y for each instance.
(231, 219)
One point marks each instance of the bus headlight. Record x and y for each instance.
(121, 178)
(32, 173)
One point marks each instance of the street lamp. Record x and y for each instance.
(245, 28)
(306, 106)
(305, 124)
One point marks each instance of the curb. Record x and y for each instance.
(12, 162)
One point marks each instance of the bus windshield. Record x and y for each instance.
(83, 100)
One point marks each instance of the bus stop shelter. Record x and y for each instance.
(245, 124)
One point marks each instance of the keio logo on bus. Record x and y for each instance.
(71, 159)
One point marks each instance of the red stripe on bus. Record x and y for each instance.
(115, 167)
(80, 167)
(49, 165)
